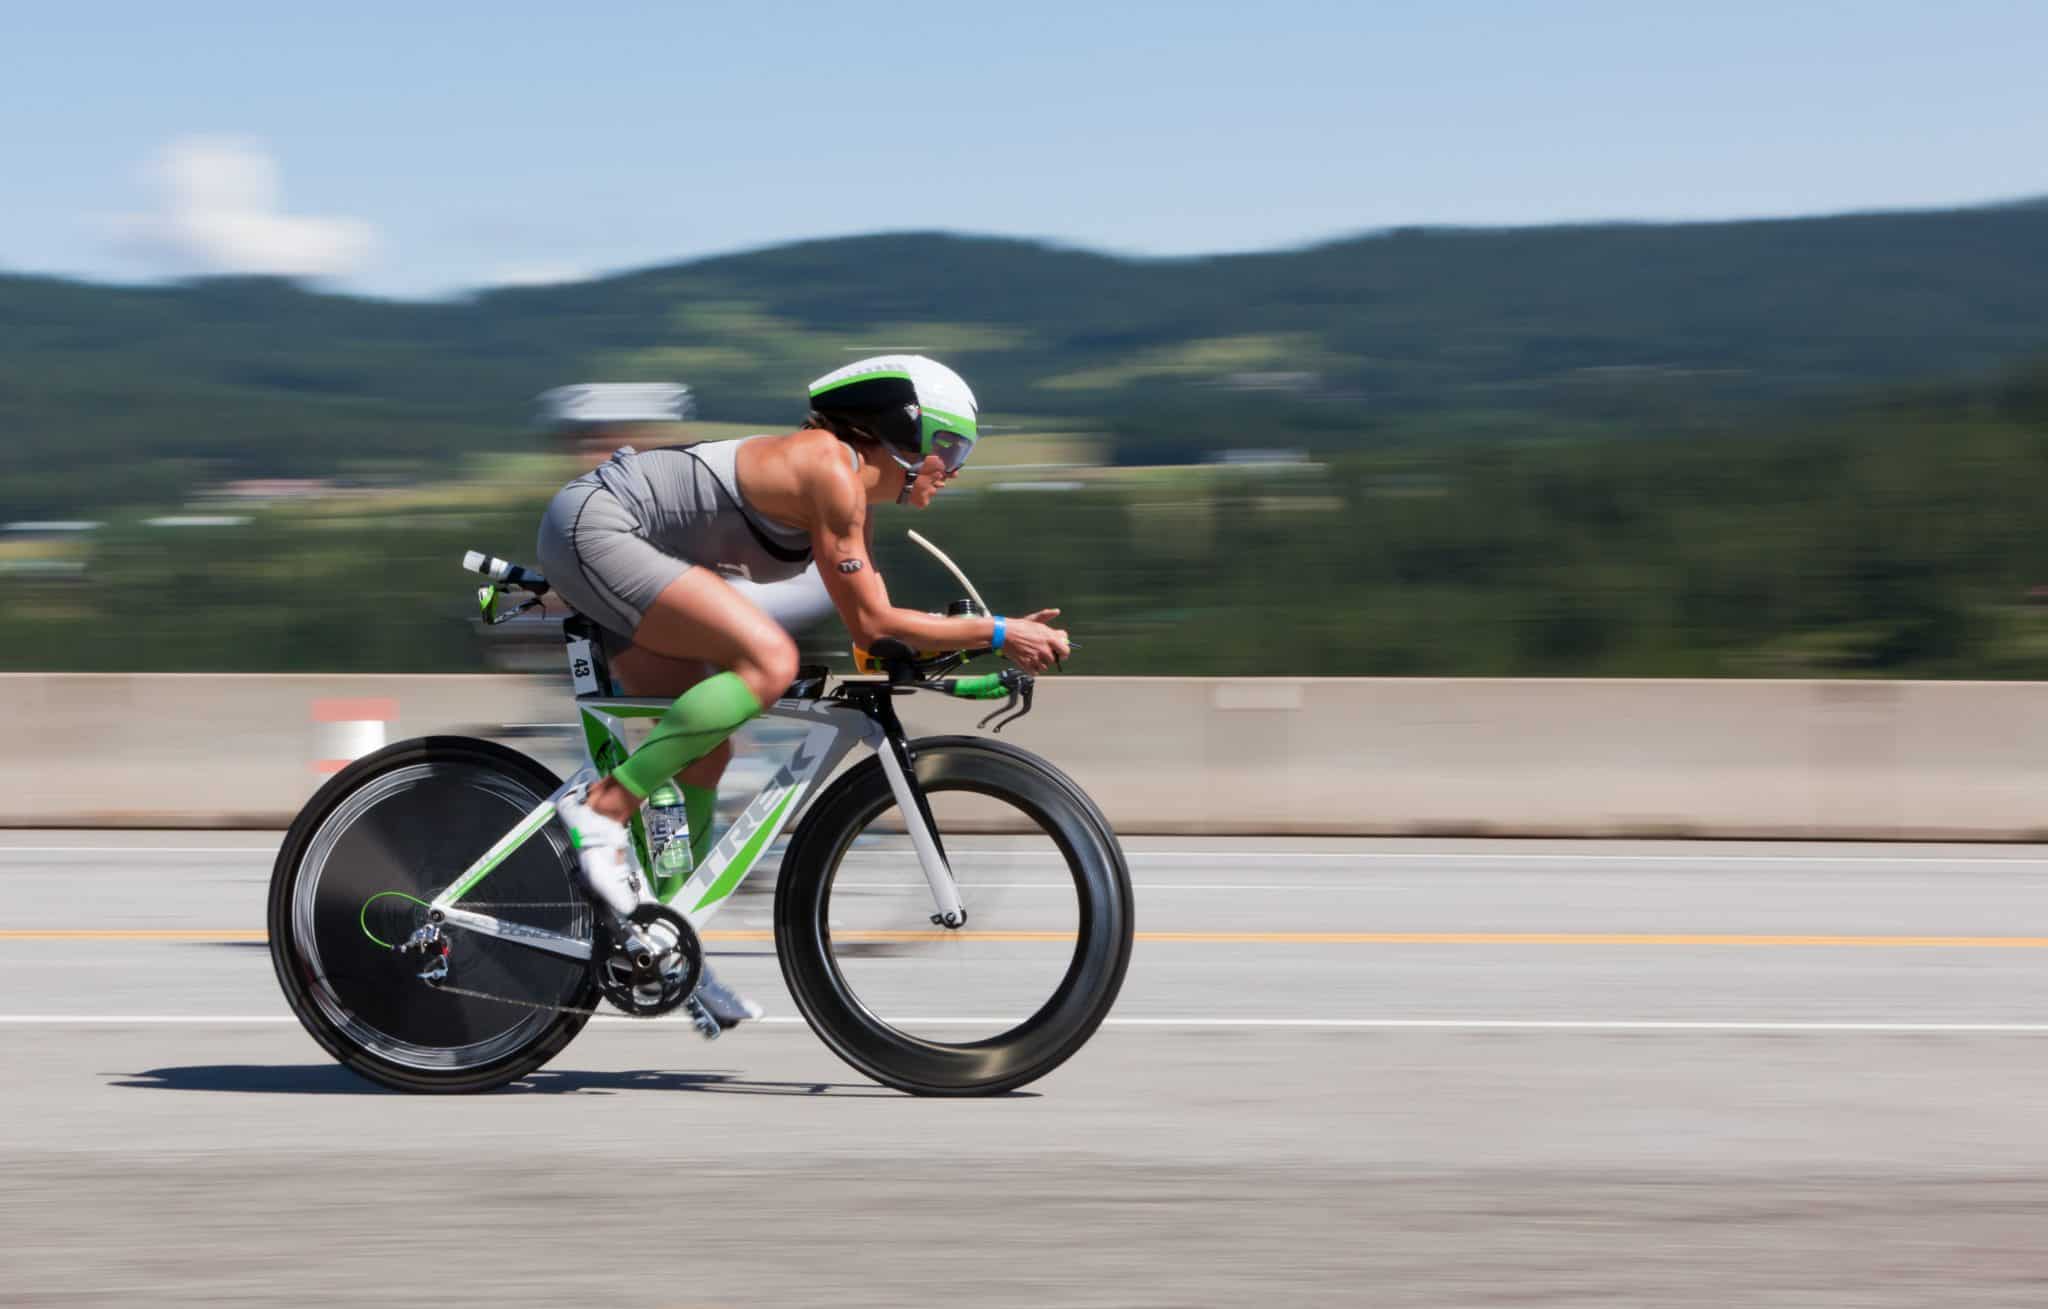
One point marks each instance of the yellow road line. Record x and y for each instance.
(1200, 938)
(1468, 938)
(132, 934)
(1607, 938)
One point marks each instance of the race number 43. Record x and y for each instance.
(583, 667)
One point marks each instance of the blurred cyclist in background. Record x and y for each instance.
(698, 562)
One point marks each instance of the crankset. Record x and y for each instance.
(653, 968)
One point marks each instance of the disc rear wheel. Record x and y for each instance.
(352, 882)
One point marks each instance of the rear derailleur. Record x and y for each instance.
(430, 943)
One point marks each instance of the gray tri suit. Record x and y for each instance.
(613, 539)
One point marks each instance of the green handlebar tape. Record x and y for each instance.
(989, 686)
(700, 718)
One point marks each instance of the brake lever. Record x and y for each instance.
(506, 618)
(1015, 705)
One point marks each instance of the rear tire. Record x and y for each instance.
(1038, 1042)
(405, 822)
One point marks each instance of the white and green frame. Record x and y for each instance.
(835, 727)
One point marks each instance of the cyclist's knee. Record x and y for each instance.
(770, 667)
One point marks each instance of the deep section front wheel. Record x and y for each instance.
(352, 882)
(991, 1005)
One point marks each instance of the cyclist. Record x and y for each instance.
(698, 561)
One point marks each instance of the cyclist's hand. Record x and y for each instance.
(1032, 643)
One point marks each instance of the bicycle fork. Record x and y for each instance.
(924, 834)
(894, 752)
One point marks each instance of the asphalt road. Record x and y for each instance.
(1393, 1073)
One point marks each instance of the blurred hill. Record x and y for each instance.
(134, 395)
(1894, 534)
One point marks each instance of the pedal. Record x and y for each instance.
(701, 1019)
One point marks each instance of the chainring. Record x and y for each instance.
(652, 984)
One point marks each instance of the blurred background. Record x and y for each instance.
(1399, 345)
(1579, 340)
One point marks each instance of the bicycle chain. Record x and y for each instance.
(700, 1017)
(513, 1000)
(508, 999)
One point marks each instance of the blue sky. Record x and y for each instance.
(417, 149)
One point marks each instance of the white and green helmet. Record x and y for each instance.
(913, 405)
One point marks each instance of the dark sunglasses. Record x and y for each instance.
(952, 448)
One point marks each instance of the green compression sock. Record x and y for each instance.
(700, 718)
(700, 803)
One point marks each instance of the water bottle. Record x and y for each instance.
(668, 832)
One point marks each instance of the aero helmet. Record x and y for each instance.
(913, 405)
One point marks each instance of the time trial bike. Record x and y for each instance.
(428, 929)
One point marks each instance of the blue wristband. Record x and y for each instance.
(995, 640)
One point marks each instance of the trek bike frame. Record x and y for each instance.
(856, 713)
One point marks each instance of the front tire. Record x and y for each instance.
(382, 838)
(1066, 830)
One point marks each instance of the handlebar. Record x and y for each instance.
(504, 572)
(505, 576)
(909, 672)
(988, 686)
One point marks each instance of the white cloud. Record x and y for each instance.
(220, 211)
(541, 274)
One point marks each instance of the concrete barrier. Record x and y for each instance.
(1364, 756)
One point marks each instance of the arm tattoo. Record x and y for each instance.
(849, 565)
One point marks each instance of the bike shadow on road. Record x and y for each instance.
(332, 1079)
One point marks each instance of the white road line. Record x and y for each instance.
(970, 884)
(132, 1020)
(1266, 856)
(1253, 856)
(1345, 1024)
(1579, 1025)
(267, 852)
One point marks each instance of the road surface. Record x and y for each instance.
(1342, 1072)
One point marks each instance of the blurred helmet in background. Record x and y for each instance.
(592, 419)
(913, 405)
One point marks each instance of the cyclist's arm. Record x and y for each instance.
(841, 540)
